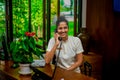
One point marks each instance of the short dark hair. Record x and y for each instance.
(61, 19)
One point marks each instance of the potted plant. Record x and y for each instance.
(23, 49)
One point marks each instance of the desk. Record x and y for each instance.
(8, 73)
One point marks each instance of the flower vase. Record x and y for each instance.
(85, 38)
(24, 69)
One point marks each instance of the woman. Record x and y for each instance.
(70, 57)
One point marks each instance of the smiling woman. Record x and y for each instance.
(68, 51)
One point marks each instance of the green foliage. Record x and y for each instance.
(37, 12)
(53, 7)
(2, 18)
(20, 16)
(24, 47)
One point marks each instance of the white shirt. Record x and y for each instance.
(68, 51)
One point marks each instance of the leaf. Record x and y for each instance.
(39, 52)
(12, 46)
(32, 43)
(24, 45)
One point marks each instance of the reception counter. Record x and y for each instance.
(8, 73)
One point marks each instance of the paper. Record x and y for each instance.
(38, 63)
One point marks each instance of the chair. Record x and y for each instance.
(87, 68)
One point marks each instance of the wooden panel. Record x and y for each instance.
(103, 24)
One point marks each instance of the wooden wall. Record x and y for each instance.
(104, 28)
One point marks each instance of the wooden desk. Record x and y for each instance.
(8, 73)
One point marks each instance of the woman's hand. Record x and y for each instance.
(56, 35)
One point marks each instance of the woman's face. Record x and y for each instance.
(63, 29)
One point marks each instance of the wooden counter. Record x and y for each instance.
(8, 73)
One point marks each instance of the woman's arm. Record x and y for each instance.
(50, 54)
(79, 60)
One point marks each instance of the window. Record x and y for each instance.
(40, 16)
